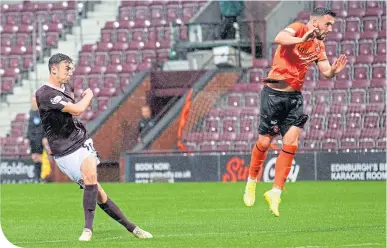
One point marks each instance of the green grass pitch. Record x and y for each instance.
(313, 214)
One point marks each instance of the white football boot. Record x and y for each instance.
(141, 234)
(86, 235)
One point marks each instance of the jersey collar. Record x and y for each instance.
(56, 88)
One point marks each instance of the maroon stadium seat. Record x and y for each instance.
(348, 48)
(330, 145)
(212, 125)
(251, 100)
(381, 143)
(255, 75)
(338, 5)
(358, 96)
(361, 72)
(229, 125)
(378, 71)
(122, 35)
(370, 24)
(353, 121)
(321, 97)
(365, 59)
(85, 59)
(351, 133)
(356, 12)
(317, 123)
(334, 122)
(371, 120)
(250, 113)
(345, 74)
(376, 95)
(331, 48)
(371, 133)
(172, 12)
(234, 100)
(246, 125)
(366, 47)
(352, 24)
(372, 3)
(339, 96)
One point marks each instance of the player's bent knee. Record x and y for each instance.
(264, 141)
(89, 170)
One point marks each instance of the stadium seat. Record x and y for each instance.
(348, 48)
(371, 120)
(330, 145)
(358, 96)
(376, 95)
(212, 125)
(352, 24)
(331, 48)
(229, 125)
(353, 121)
(247, 125)
(366, 47)
(251, 100)
(234, 100)
(339, 96)
(334, 122)
(378, 71)
(361, 72)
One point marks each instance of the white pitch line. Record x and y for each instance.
(62, 241)
(351, 245)
(178, 235)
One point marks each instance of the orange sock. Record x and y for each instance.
(258, 156)
(283, 165)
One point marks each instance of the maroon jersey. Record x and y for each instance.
(64, 133)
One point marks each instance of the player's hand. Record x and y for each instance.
(309, 35)
(88, 92)
(339, 64)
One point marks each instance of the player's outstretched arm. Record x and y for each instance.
(287, 37)
(330, 71)
(79, 107)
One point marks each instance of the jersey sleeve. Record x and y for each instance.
(51, 100)
(322, 55)
(294, 28)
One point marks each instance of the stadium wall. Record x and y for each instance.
(117, 129)
(233, 167)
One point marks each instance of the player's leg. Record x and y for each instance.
(111, 209)
(290, 130)
(89, 175)
(258, 156)
(270, 114)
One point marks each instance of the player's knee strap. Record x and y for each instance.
(260, 147)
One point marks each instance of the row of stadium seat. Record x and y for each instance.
(106, 67)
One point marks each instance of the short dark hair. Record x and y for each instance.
(322, 12)
(58, 58)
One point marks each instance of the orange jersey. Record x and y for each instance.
(290, 63)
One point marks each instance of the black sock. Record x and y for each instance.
(89, 203)
(114, 211)
(38, 169)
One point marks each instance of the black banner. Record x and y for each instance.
(17, 171)
(146, 169)
(233, 168)
(351, 166)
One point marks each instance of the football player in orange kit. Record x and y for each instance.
(281, 99)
